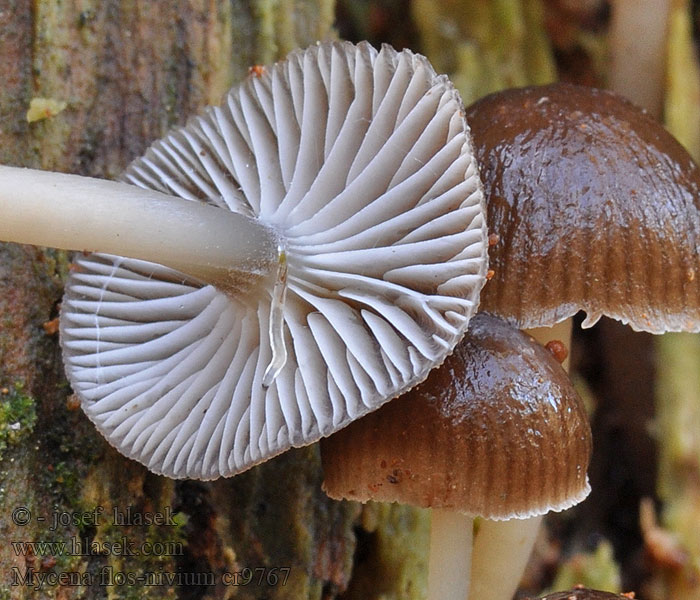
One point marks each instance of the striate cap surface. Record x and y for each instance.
(596, 208)
(497, 431)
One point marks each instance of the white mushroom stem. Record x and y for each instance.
(86, 214)
(638, 45)
(502, 548)
(450, 555)
(501, 551)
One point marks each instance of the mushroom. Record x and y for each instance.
(596, 208)
(284, 264)
(497, 431)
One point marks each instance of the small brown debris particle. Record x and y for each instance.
(76, 268)
(489, 274)
(256, 70)
(494, 238)
(382, 464)
(47, 562)
(51, 327)
(72, 402)
(394, 477)
(558, 350)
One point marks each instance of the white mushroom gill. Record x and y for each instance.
(361, 162)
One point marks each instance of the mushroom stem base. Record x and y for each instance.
(450, 555)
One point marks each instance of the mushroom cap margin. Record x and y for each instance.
(497, 431)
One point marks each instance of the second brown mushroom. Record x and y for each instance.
(498, 431)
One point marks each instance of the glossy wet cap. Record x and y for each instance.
(595, 206)
(581, 593)
(496, 431)
(361, 162)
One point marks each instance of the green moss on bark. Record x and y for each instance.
(17, 415)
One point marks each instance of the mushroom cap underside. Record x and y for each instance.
(362, 163)
(497, 431)
(595, 206)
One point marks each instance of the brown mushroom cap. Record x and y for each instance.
(585, 594)
(596, 208)
(497, 431)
